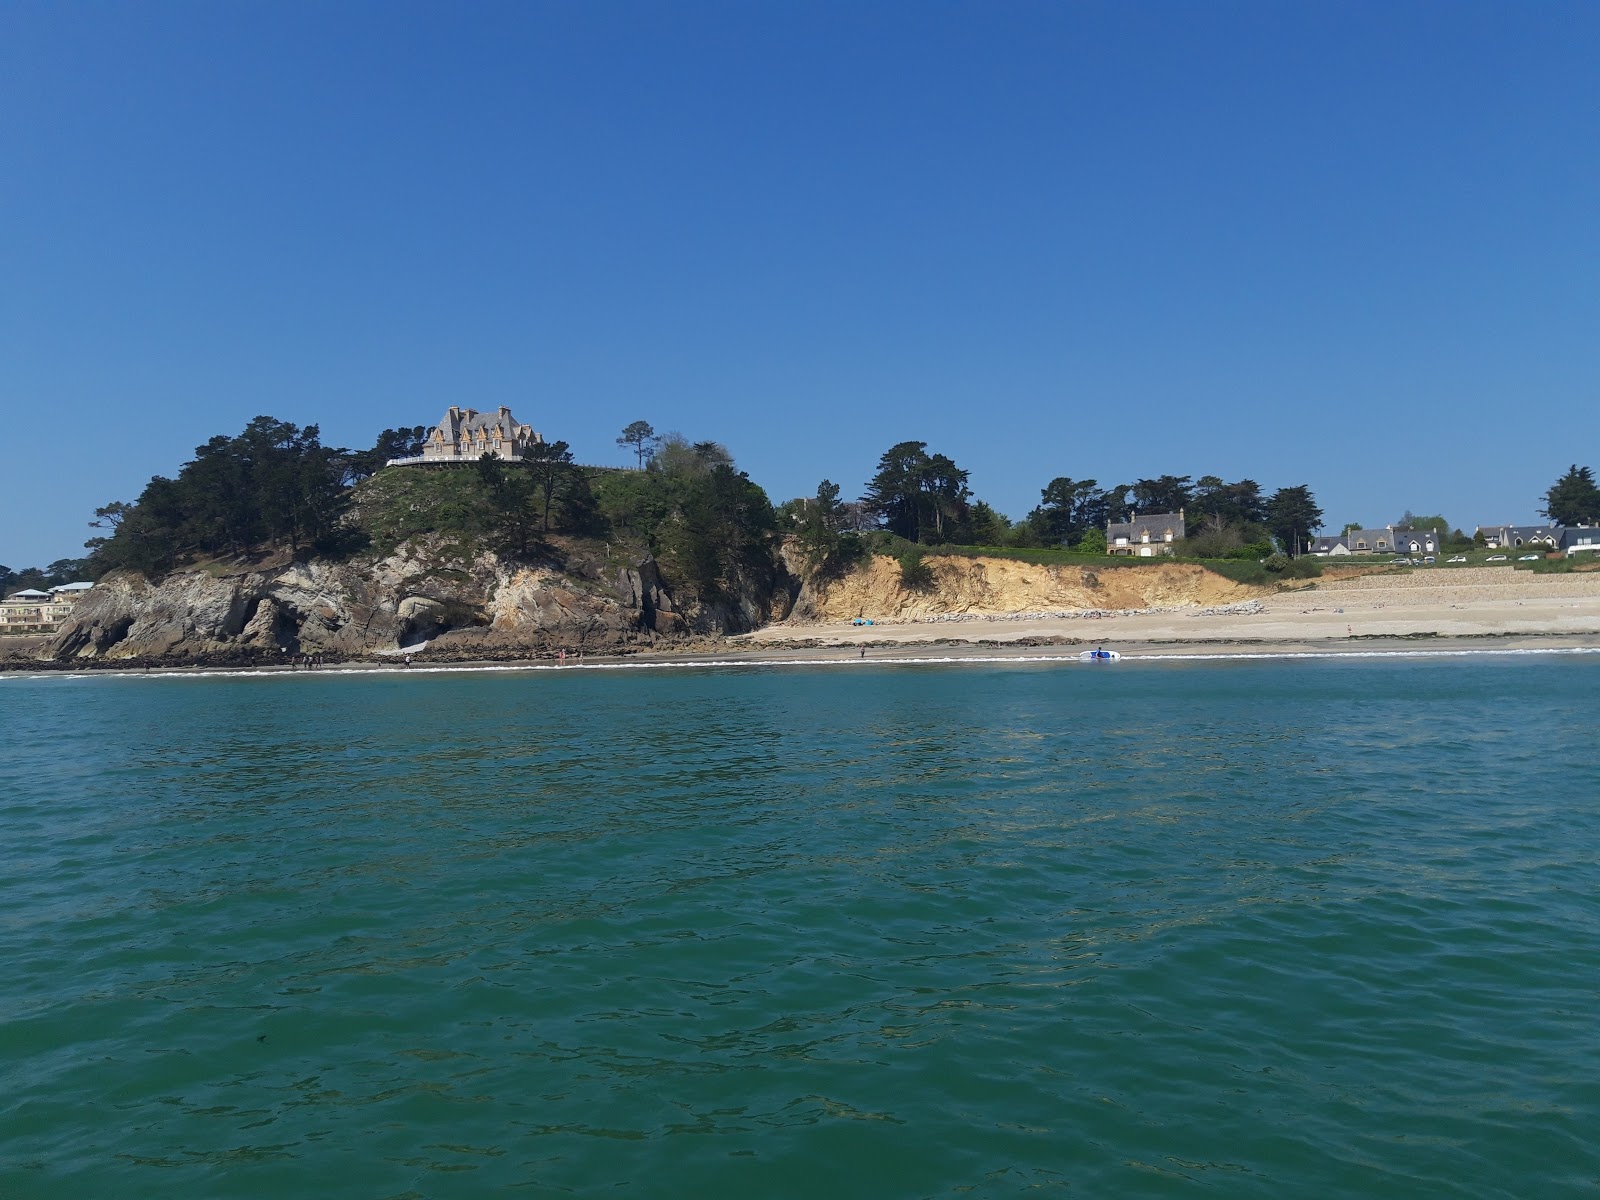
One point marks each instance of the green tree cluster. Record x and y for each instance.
(272, 485)
(1225, 516)
(1574, 499)
(512, 507)
(275, 485)
(40, 579)
(925, 498)
(919, 496)
(408, 442)
(704, 519)
(1068, 509)
(1293, 517)
(522, 498)
(818, 523)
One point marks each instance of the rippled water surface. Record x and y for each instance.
(1248, 929)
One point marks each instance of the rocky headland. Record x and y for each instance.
(584, 597)
(419, 598)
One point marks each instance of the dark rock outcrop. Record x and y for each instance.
(487, 606)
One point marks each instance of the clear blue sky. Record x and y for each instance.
(1345, 244)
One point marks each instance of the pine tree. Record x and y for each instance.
(1574, 499)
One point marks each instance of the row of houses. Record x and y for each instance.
(1158, 533)
(1387, 540)
(1547, 539)
(1569, 539)
(33, 611)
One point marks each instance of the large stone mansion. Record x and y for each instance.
(466, 435)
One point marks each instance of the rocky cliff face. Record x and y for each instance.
(420, 594)
(997, 585)
(587, 599)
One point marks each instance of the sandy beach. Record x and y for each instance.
(1487, 604)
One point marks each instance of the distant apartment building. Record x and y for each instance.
(465, 435)
(1145, 537)
(31, 611)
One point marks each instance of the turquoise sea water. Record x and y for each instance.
(1310, 928)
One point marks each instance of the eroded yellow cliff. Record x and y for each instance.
(996, 586)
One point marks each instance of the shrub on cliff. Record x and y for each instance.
(915, 574)
(821, 542)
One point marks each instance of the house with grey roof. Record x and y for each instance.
(1388, 540)
(1580, 539)
(465, 435)
(1144, 537)
(1325, 546)
(1509, 537)
(1418, 541)
(1371, 541)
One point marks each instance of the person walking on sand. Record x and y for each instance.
(863, 650)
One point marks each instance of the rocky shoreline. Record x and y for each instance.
(488, 612)
(720, 651)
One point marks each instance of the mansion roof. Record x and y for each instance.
(465, 435)
(468, 423)
(1157, 525)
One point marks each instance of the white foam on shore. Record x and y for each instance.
(1127, 660)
